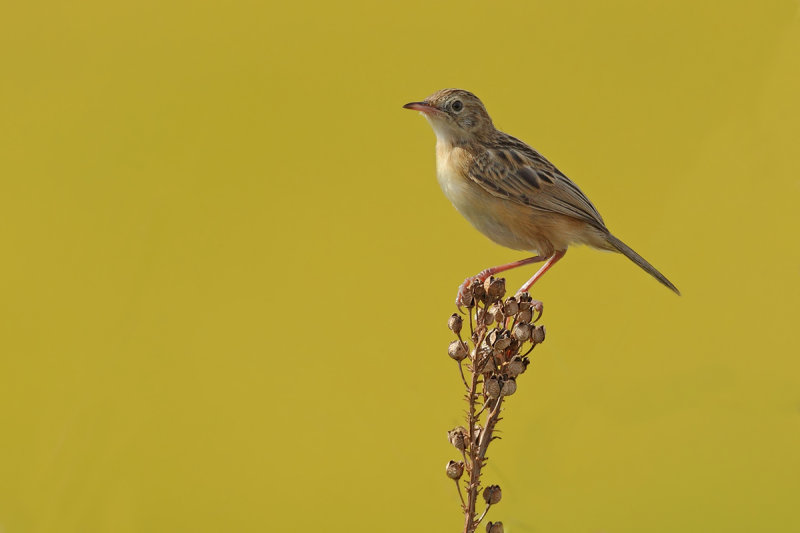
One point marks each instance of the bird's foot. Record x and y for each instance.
(473, 288)
(464, 295)
(524, 298)
(466, 291)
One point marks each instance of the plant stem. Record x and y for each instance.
(458, 488)
(475, 467)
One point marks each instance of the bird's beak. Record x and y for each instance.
(422, 107)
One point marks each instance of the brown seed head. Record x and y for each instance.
(454, 323)
(492, 494)
(458, 437)
(522, 331)
(455, 469)
(538, 335)
(495, 289)
(516, 366)
(478, 292)
(503, 341)
(494, 527)
(497, 313)
(509, 387)
(524, 315)
(492, 387)
(457, 350)
(511, 306)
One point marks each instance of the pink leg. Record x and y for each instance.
(484, 274)
(537, 305)
(545, 267)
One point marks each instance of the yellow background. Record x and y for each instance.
(227, 266)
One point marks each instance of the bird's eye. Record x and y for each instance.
(457, 106)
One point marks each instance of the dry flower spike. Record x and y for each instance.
(494, 357)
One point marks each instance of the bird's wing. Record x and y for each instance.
(512, 170)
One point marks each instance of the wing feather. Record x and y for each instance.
(512, 170)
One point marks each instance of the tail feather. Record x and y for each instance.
(639, 260)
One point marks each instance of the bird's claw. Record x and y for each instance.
(463, 297)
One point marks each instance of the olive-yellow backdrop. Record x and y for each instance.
(227, 265)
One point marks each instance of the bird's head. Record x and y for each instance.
(457, 116)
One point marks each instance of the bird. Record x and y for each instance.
(509, 192)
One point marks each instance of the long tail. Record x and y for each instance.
(639, 260)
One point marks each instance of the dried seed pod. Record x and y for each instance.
(478, 292)
(522, 331)
(495, 361)
(457, 351)
(516, 366)
(478, 317)
(524, 316)
(538, 335)
(511, 307)
(494, 527)
(509, 387)
(477, 435)
(492, 387)
(482, 318)
(495, 289)
(503, 341)
(455, 469)
(492, 494)
(454, 323)
(458, 437)
(497, 313)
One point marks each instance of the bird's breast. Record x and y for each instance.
(506, 223)
(451, 171)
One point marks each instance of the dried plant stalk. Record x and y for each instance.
(494, 358)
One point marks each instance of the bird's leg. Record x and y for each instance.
(484, 274)
(545, 267)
